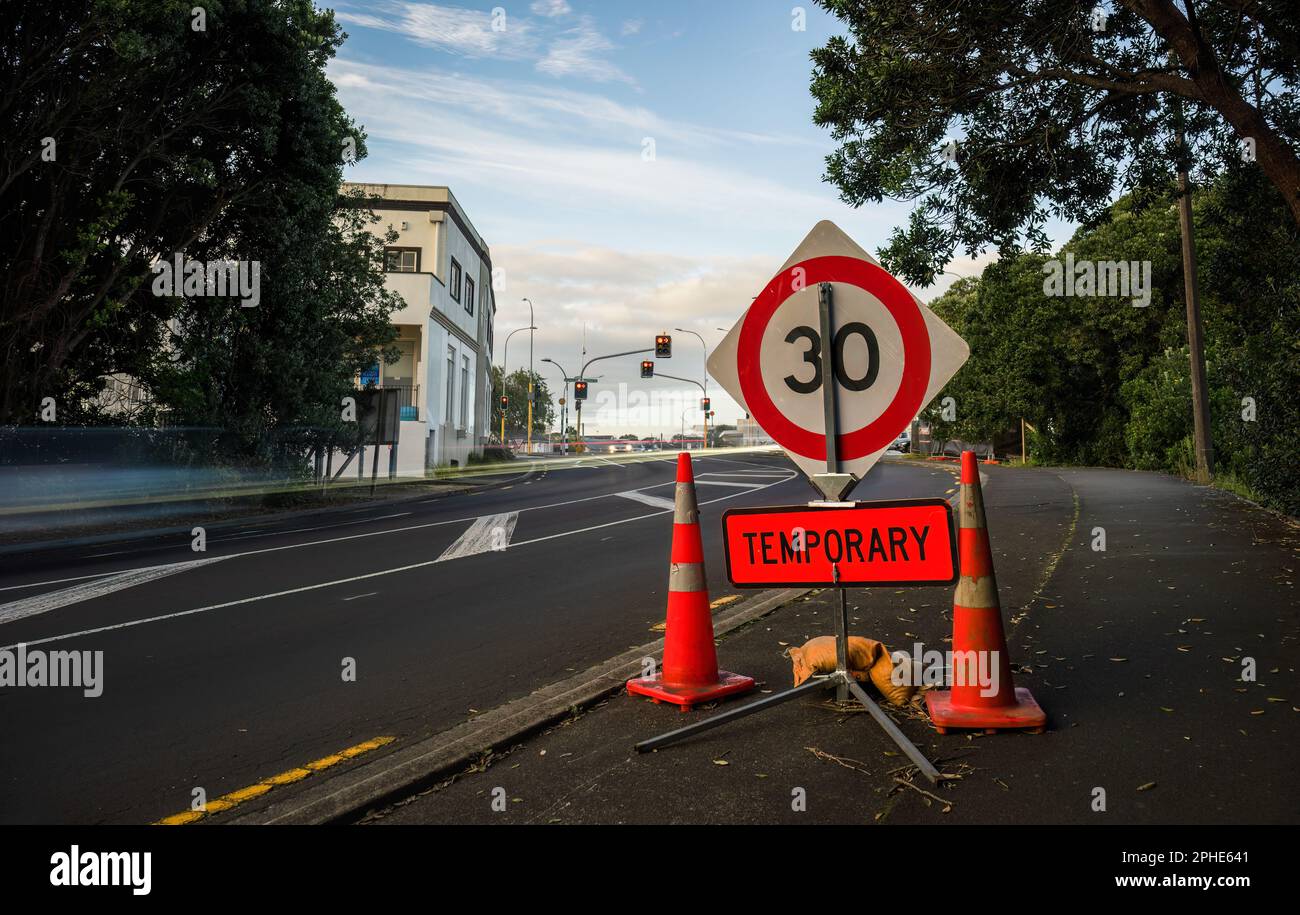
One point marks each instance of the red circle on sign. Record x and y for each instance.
(902, 308)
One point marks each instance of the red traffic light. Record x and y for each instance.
(647, 369)
(580, 390)
(663, 346)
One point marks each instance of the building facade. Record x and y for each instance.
(442, 269)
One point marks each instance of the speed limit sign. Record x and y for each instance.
(889, 355)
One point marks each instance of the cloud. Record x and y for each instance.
(579, 54)
(621, 299)
(468, 33)
(551, 8)
(632, 26)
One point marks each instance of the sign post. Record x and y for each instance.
(877, 355)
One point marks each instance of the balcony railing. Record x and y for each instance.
(408, 399)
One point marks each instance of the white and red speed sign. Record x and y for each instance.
(891, 355)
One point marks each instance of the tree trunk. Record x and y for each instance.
(1277, 160)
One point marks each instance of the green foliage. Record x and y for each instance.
(516, 389)
(224, 143)
(1051, 115)
(1107, 383)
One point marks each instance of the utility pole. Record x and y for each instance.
(1195, 335)
(1203, 447)
(1195, 338)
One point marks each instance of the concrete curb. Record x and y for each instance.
(350, 794)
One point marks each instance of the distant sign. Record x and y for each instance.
(370, 376)
(903, 542)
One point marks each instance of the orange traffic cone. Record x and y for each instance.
(690, 674)
(979, 646)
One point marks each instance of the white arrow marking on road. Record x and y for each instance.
(641, 497)
(43, 603)
(491, 532)
(131, 624)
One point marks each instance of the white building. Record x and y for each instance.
(442, 269)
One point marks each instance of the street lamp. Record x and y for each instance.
(564, 406)
(533, 322)
(705, 386)
(505, 358)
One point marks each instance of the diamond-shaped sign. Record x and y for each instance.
(890, 355)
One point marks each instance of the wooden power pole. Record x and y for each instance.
(1195, 337)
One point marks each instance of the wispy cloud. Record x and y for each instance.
(469, 33)
(551, 8)
(632, 26)
(557, 49)
(580, 52)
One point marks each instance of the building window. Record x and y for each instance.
(469, 295)
(402, 260)
(464, 392)
(454, 286)
(449, 418)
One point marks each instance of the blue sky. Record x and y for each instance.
(542, 127)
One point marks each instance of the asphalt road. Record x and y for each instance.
(224, 667)
(1136, 653)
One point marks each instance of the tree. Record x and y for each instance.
(1044, 110)
(141, 130)
(516, 389)
(1107, 383)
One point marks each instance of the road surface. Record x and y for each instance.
(224, 667)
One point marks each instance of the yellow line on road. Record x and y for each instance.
(237, 797)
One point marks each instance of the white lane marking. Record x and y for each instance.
(359, 596)
(395, 530)
(298, 530)
(55, 581)
(744, 473)
(656, 501)
(343, 581)
(491, 532)
(724, 483)
(44, 603)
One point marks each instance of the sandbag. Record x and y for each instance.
(868, 660)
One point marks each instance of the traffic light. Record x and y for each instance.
(505, 401)
(647, 369)
(704, 404)
(580, 390)
(663, 346)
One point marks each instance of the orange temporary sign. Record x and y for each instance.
(899, 542)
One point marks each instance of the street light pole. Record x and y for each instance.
(564, 406)
(505, 358)
(532, 327)
(705, 386)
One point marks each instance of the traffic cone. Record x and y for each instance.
(689, 675)
(978, 642)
